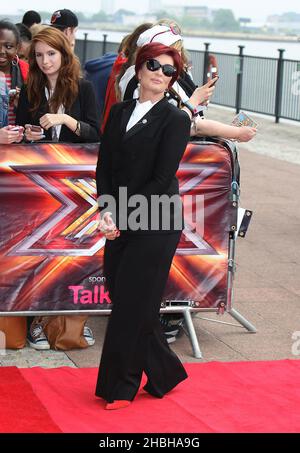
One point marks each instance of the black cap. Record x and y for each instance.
(30, 18)
(64, 18)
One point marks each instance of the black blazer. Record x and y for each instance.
(144, 159)
(83, 110)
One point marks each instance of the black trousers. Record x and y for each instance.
(136, 269)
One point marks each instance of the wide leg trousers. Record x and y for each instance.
(136, 269)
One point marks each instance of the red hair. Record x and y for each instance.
(155, 49)
(66, 89)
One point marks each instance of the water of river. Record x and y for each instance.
(257, 48)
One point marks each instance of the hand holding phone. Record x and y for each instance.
(33, 132)
(37, 129)
(15, 128)
(213, 81)
(11, 134)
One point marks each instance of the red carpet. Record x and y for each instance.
(20, 409)
(217, 397)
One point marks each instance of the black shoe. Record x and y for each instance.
(170, 326)
(37, 339)
(171, 330)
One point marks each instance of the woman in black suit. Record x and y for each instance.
(143, 143)
(56, 98)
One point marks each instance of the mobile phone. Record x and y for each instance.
(215, 77)
(16, 128)
(37, 129)
(12, 92)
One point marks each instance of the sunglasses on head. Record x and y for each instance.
(167, 69)
(171, 29)
(174, 28)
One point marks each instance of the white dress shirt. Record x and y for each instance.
(61, 110)
(139, 111)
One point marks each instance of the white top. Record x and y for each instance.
(139, 111)
(61, 110)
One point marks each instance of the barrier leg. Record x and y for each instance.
(192, 334)
(236, 315)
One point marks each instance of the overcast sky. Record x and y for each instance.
(258, 10)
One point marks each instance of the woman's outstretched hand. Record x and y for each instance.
(246, 133)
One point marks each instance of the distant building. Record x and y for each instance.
(174, 10)
(199, 12)
(244, 21)
(136, 19)
(287, 22)
(194, 10)
(139, 7)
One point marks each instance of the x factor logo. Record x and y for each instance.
(72, 229)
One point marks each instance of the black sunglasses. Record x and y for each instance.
(167, 69)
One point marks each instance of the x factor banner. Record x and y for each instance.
(51, 256)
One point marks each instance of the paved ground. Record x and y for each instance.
(267, 283)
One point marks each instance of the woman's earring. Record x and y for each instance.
(167, 94)
(15, 60)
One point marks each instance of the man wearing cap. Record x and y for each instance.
(31, 18)
(66, 21)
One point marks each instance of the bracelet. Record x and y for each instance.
(77, 128)
(192, 109)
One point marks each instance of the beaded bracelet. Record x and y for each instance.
(192, 109)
